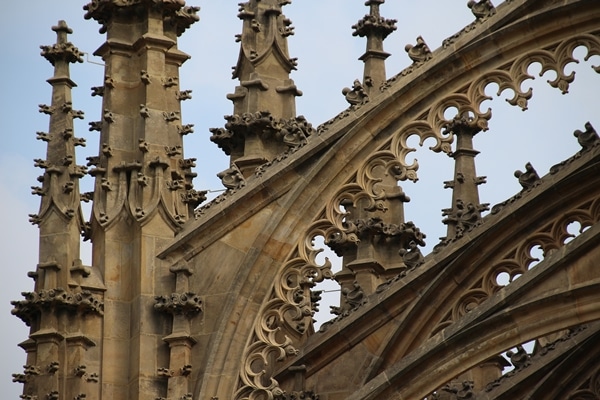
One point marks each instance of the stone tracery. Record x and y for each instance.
(392, 156)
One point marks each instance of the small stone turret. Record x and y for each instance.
(264, 122)
(143, 195)
(466, 209)
(375, 28)
(66, 303)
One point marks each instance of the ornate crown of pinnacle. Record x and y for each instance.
(373, 23)
(62, 49)
(176, 12)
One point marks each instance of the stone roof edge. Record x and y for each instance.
(332, 130)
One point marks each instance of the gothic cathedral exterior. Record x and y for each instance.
(194, 300)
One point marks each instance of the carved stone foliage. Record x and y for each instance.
(179, 16)
(376, 230)
(374, 25)
(460, 391)
(464, 216)
(301, 395)
(275, 328)
(292, 132)
(188, 303)
(48, 299)
(62, 51)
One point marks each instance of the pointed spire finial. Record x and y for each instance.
(375, 28)
(264, 122)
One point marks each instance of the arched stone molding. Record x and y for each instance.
(392, 126)
(535, 310)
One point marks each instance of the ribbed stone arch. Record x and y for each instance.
(304, 194)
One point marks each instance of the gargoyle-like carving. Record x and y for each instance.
(419, 52)
(144, 111)
(529, 178)
(80, 370)
(193, 197)
(188, 303)
(165, 372)
(95, 126)
(106, 150)
(109, 82)
(465, 216)
(185, 129)
(31, 370)
(481, 9)
(186, 370)
(412, 256)
(38, 191)
(43, 136)
(97, 91)
(171, 116)
(184, 95)
(460, 391)
(19, 378)
(173, 150)
(295, 131)
(145, 77)
(356, 95)
(46, 109)
(53, 367)
(232, 178)
(94, 378)
(354, 297)
(77, 114)
(170, 81)
(520, 358)
(588, 138)
(108, 116)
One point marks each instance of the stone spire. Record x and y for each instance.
(55, 310)
(143, 192)
(466, 209)
(264, 122)
(375, 28)
(387, 244)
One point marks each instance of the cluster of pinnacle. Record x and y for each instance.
(263, 124)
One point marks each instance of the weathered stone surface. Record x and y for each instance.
(216, 301)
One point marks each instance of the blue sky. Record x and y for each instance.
(327, 55)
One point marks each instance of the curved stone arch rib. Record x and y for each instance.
(392, 155)
(283, 319)
(516, 261)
